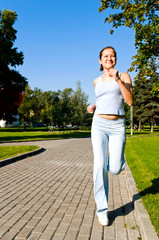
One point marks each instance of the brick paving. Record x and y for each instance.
(50, 196)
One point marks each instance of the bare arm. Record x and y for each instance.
(91, 108)
(125, 85)
(124, 82)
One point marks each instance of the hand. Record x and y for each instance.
(90, 109)
(113, 73)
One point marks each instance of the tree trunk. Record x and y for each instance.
(151, 127)
(139, 126)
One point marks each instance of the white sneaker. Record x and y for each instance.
(103, 218)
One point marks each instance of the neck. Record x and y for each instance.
(106, 75)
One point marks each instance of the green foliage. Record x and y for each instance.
(25, 107)
(80, 114)
(142, 17)
(11, 82)
(146, 103)
(9, 55)
(59, 108)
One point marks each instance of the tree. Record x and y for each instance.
(32, 105)
(146, 104)
(59, 108)
(66, 105)
(37, 104)
(12, 83)
(142, 17)
(46, 113)
(80, 103)
(140, 98)
(25, 107)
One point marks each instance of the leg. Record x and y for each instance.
(117, 140)
(100, 174)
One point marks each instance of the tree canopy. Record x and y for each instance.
(142, 17)
(12, 83)
(59, 108)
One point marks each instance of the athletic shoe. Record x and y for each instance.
(103, 218)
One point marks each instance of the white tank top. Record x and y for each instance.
(109, 99)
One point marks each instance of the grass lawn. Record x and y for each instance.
(39, 135)
(6, 136)
(10, 151)
(142, 154)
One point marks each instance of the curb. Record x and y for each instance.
(20, 157)
(146, 228)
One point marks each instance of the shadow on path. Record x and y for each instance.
(127, 208)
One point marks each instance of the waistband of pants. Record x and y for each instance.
(104, 120)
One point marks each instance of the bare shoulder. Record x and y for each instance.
(95, 81)
(125, 77)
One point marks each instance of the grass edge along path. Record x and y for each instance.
(11, 151)
(142, 154)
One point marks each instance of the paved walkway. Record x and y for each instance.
(50, 196)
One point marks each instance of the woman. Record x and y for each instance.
(108, 126)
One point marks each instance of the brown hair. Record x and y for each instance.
(101, 52)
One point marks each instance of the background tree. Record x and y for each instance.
(80, 103)
(37, 104)
(59, 108)
(140, 98)
(146, 104)
(142, 17)
(67, 105)
(12, 83)
(46, 113)
(26, 105)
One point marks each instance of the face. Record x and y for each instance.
(108, 59)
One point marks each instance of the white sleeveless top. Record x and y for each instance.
(109, 99)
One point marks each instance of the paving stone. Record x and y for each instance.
(47, 234)
(85, 231)
(9, 235)
(62, 229)
(24, 233)
(58, 237)
(18, 226)
(97, 235)
(34, 236)
(109, 232)
(71, 234)
(83, 238)
(3, 230)
(40, 227)
(53, 224)
(133, 234)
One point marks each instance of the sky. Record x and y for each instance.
(61, 41)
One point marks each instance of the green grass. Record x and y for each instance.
(6, 136)
(32, 136)
(143, 132)
(142, 154)
(10, 151)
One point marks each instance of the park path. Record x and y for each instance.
(50, 196)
